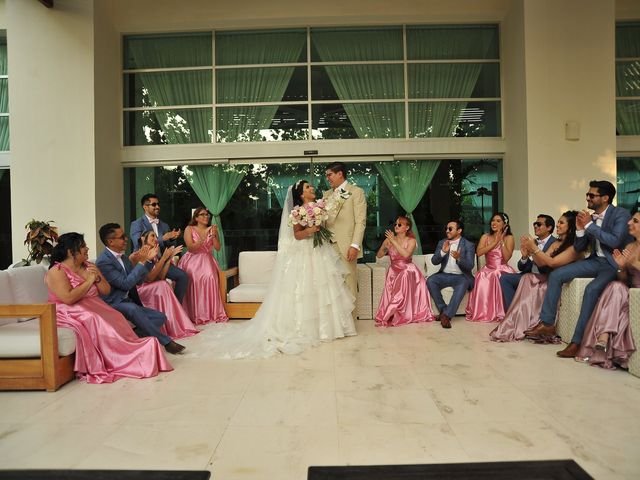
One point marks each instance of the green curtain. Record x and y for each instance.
(279, 186)
(408, 181)
(249, 85)
(359, 82)
(4, 100)
(175, 88)
(628, 78)
(214, 185)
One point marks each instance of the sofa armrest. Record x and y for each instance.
(224, 277)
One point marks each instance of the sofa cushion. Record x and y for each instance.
(22, 340)
(248, 292)
(27, 284)
(255, 267)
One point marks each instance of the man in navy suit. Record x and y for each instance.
(543, 229)
(123, 277)
(166, 238)
(604, 231)
(456, 256)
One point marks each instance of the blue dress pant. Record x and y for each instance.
(181, 280)
(594, 267)
(509, 284)
(147, 320)
(438, 281)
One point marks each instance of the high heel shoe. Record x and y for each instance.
(601, 345)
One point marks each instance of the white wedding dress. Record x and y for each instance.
(307, 302)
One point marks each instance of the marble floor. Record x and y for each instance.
(413, 394)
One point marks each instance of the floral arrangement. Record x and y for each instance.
(41, 237)
(312, 214)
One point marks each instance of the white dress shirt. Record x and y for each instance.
(452, 264)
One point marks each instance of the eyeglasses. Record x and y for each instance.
(399, 225)
(593, 195)
(537, 224)
(449, 229)
(154, 204)
(121, 237)
(204, 214)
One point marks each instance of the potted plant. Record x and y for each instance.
(41, 237)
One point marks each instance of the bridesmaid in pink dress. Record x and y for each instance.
(158, 294)
(202, 301)
(106, 347)
(405, 298)
(607, 340)
(485, 301)
(524, 311)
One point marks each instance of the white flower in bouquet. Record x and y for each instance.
(312, 214)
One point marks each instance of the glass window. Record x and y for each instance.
(467, 189)
(161, 89)
(446, 42)
(358, 82)
(358, 120)
(4, 96)
(266, 84)
(261, 47)
(175, 50)
(454, 119)
(262, 123)
(628, 185)
(628, 78)
(356, 44)
(454, 80)
(6, 257)
(173, 126)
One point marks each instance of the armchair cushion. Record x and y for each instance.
(22, 340)
(248, 293)
(255, 267)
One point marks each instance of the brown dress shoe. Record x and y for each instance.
(570, 351)
(528, 332)
(542, 330)
(174, 348)
(445, 321)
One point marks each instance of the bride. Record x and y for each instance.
(307, 302)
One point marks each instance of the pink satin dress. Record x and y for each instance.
(405, 298)
(524, 312)
(159, 296)
(611, 315)
(202, 301)
(107, 348)
(485, 301)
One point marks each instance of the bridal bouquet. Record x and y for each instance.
(312, 214)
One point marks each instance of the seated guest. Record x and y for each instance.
(485, 300)
(156, 293)
(456, 257)
(405, 298)
(607, 339)
(524, 311)
(166, 238)
(542, 228)
(123, 278)
(202, 301)
(604, 232)
(106, 347)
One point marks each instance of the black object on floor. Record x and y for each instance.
(104, 475)
(529, 470)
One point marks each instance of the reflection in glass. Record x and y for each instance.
(628, 117)
(452, 42)
(159, 89)
(454, 80)
(346, 44)
(265, 84)
(357, 82)
(261, 46)
(262, 123)
(454, 119)
(172, 126)
(358, 120)
(171, 50)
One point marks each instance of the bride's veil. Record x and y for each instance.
(285, 234)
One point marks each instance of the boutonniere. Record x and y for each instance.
(342, 193)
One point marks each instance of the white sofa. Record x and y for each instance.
(243, 288)
(34, 353)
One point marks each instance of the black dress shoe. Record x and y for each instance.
(174, 348)
(445, 321)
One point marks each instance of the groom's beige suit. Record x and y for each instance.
(347, 226)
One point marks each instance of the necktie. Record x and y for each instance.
(155, 221)
(597, 216)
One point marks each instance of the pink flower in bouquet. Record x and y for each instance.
(309, 215)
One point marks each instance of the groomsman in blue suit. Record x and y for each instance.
(166, 238)
(604, 231)
(543, 229)
(123, 277)
(455, 255)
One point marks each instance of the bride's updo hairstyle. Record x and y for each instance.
(296, 192)
(68, 242)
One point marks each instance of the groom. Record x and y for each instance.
(347, 219)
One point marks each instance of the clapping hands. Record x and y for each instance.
(582, 219)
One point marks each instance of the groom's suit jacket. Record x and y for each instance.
(349, 223)
(122, 283)
(141, 225)
(612, 234)
(466, 261)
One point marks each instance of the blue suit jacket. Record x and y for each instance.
(526, 266)
(614, 233)
(465, 262)
(141, 225)
(121, 283)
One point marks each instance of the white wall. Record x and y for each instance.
(51, 99)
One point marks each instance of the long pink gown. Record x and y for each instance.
(485, 301)
(202, 301)
(107, 349)
(524, 312)
(159, 296)
(611, 315)
(405, 298)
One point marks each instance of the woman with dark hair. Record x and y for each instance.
(307, 302)
(106, 347)
(485, 301)
(202, 301)
(524, 312)
(157, 293)
(607, 341)
(405, 298)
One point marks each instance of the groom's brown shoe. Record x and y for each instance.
(542, 330)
